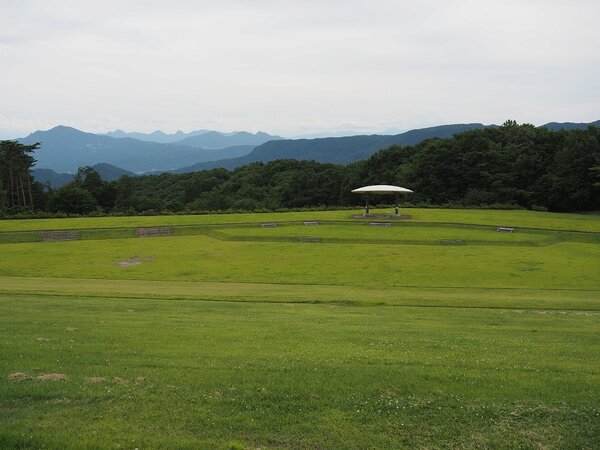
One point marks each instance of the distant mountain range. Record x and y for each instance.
(340, 150)
(206, 139)
(156, 136)
(346, 149)
(214, 139)
(65, 149)
(555, 126)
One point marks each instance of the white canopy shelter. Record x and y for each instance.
(381, 189)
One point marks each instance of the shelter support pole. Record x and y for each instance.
(397, 200)
(366, 204)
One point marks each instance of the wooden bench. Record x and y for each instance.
(310, 223)
(505, 230)
(380, 224)
(268, 225)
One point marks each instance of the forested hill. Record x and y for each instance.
(64, 149)
(343, 150)
(555, 126)
(339, 150)
(106, 171)
(508, 166)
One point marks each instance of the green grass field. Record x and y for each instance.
(517, 218)
(438, 332)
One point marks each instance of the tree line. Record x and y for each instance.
(516, 166)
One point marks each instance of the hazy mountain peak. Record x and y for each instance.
(215, 139)
(61, 129)
(155, 136)
(64, 149)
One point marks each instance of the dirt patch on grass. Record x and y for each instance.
(70, 329)
(53, 377)
(120, 380)
(95, 380)
(129, 262)
(18, 376)
(139, 380)
(387, 393)
(134, 261)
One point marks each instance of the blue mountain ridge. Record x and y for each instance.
(65, 149)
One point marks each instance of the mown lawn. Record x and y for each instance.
(517, 218)
(202, 258)
(385, 338)
(407, 233)
(163, 373)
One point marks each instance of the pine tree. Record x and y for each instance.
(15, 174)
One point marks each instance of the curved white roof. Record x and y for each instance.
(382, 189)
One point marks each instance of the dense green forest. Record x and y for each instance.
(508, 166)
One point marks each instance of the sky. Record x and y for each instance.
(295, 67)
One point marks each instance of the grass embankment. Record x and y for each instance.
(147, 373)
(517, 218)
(198, 342)
(400, 233)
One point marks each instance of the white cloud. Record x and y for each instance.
(293, 66)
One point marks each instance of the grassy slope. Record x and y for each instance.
(556, 299)
(313, 376)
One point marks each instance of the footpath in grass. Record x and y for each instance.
(150, 373)
(462, 297)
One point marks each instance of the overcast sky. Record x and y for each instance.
(295, 67)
